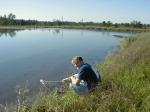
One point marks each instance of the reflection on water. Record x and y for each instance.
(8, 32)
(35, 54)
(56, 31)
(12, 32)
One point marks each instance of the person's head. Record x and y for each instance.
(77, 61)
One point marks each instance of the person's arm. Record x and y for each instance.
(68, 79)
(78, 82)
(72, 78)
(75, 80)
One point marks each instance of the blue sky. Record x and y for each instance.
(75, 10)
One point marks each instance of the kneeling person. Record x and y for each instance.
(87, 78)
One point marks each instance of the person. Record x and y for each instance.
(86, 79)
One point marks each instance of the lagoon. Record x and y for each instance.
(28, 55)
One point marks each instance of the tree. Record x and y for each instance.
(109, 23)
(136, 24)
(104, 23)
(116, 25)
(11, 16)
(1, 20)
(11, 19)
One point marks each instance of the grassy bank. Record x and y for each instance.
(125, 86)
(111, 28)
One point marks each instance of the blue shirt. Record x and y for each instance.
(87, 74)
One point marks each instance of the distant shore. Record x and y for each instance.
(129, 29)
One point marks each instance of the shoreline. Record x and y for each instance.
(117, 86)
(125, 79)
(126, 29)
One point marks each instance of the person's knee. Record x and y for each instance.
(72, 86)
(78, 89)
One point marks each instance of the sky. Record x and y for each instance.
(117, 11)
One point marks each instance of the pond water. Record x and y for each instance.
(33, 54)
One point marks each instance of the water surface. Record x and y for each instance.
(29, 55)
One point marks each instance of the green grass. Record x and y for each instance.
(125, 84)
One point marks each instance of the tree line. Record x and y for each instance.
(10, 20)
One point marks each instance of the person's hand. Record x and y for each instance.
(74, 79)
(67, 80)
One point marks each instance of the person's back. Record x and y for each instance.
(87, 74)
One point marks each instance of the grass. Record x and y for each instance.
(125, 84)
